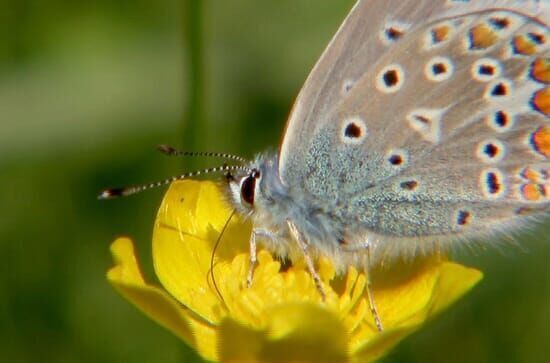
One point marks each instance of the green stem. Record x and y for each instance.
(194, 120)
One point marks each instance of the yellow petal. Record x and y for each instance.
(454, 281)
(406, 305)
(154, 302)
(188, 225)
(297, 332)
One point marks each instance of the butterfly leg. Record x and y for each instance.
(370, 294)
(365, 246)
(253, 259)
(304, 246)
(256, 232)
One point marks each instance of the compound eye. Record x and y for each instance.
(248, 188)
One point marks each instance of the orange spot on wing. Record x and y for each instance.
(440, 33)
(540, 140)
(533, 192)
(540, 70)
(524, 46)
(531, 174)
(541, 101)
(482, 37)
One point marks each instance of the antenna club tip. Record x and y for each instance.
(166, 149)
(111, 193)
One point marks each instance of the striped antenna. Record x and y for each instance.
(169, 150)
(125, 191)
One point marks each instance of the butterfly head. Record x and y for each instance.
(243, 187)
(258, 187)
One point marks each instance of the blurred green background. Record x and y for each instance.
(87, 89)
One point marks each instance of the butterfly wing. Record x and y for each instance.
(427, 118)
(369, 31)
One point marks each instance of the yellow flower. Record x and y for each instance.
(281, 317)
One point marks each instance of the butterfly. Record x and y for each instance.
(423, 126)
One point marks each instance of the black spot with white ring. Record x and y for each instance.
(492, 183)
(501, 120)
(409, 185)
(499, 23)
(486, 69)
(398, 158)
(439, 69)
(463, 217)
(354, 131)
(491, 151)
(393, 33)
(498, 90)
(390, 79)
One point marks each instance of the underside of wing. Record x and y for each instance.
(430, 119)
(372, 29)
